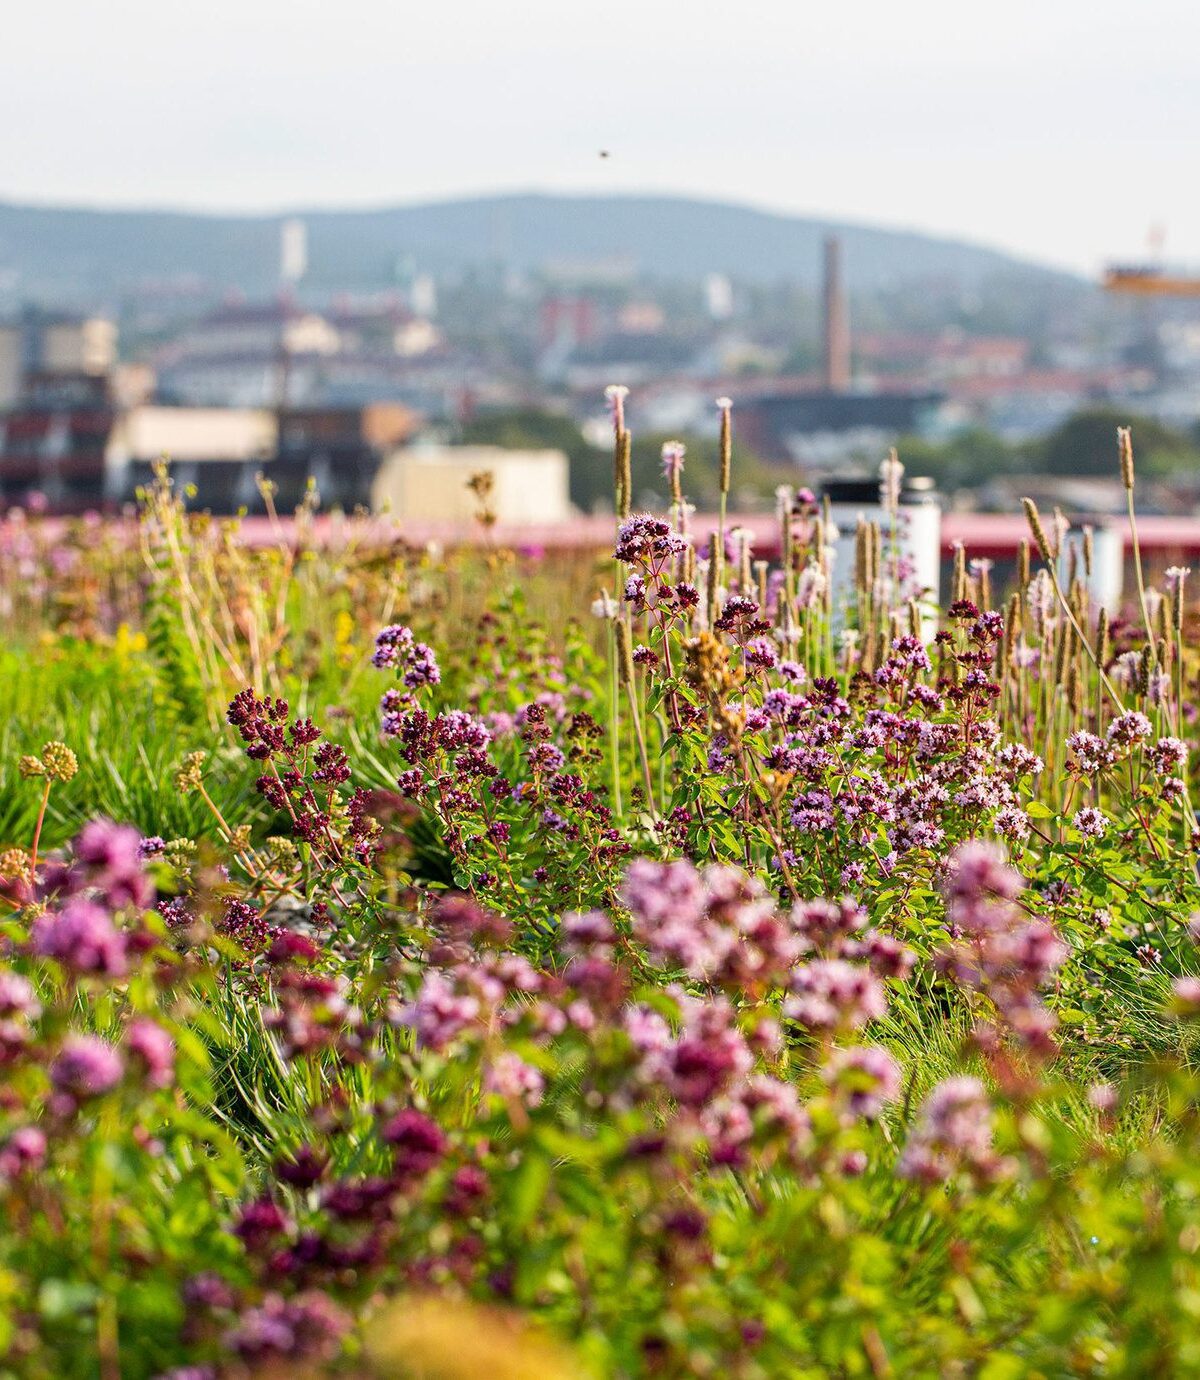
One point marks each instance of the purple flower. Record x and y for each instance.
(112, 859)
(831, 994)
(514, 1080)
(709, 1054)
(104, 845)
(392, 645)
(260, 1222)
(953, 1133)
(1185, 994)
(1103, 1097)
(154, 1047)
(648, 541)
(24, 1150)
(438, 1013)
(307, 1326)
(82, 937)
(246, 926)
(1091, 753)
(1128, 729)
(417, 1142)
(660, 893)
(396, 649)
(1090, 822)
(672, 460)
(303, 1167)
(863, 1078)
(1169, 756)
(17, 997)
(86, 1066)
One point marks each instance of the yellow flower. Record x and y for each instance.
(428, 1338)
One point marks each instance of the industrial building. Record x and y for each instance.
(824, 426)
(430, 483)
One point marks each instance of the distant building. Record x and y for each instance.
(293, 250)
(260, 328)
(216, 450)
(819, 428)
(277, 354)
(564, 322)
(430, 484)
(340, 449)
(77, 345)
(246, 355)
(70, 442)
(936, 360)
(46, 344)
(53, 441)
(12, 365)
(718, 297)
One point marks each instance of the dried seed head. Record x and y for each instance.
(725, 406)
(1061, 648)
(281, 849)
(1034, 518)
(30, 766)
(1103, 645)
(761, 572)
(178, 853)
(58, 761)
(1125, 447)
(190, 774)
(15, 865)
(713, 577)
(958, 582)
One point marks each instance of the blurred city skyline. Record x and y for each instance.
(1060, 133)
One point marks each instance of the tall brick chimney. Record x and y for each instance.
(837, 320)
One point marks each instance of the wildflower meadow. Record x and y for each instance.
(660, 961)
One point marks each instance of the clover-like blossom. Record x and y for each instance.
(953, 1134)
(397, 649)
(82, 937)
(86, 1066)
(648, 541)
(830, 994)
(1090, 822)
(863, 1078)
(110, 856)
(513, 1079)
(154, 1048)
(996, 947)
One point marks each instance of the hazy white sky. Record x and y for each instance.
(1063, 129)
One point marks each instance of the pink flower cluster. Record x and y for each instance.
(952, 1135)
(998, 949)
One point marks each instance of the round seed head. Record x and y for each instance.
(59, 762)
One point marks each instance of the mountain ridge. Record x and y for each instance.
(665, 236)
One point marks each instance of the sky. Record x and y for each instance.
(1063, 130)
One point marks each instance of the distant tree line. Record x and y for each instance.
(1083, 445)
